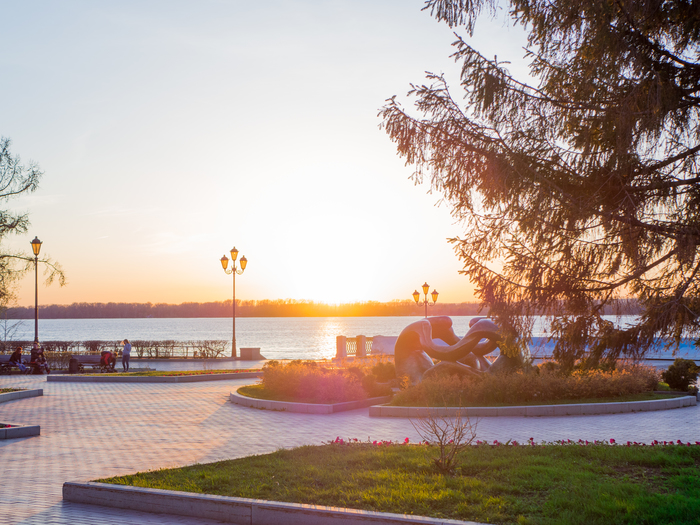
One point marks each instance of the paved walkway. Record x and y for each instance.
(92, 430)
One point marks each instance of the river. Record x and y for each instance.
(277, 337)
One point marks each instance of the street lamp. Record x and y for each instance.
(434, 295)
(233, 271)
(36, 248)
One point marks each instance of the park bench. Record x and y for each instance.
(93, 361)
(7, 368)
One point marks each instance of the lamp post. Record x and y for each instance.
(36, 248)
(434, 295)
(233, 271)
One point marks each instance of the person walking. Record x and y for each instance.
(126, 354)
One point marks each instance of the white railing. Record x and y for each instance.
(362, 346)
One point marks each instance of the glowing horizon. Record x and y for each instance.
(169, 134)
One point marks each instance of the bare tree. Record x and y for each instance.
(450, 434)
(17, 178)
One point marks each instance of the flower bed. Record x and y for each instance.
(309, 382)
(537, 386)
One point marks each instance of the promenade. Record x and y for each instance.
(93, 430)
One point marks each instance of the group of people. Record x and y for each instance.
(109, 359)
(37, 360)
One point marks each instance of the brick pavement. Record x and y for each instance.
(93, 430)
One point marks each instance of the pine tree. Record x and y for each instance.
(578, 189)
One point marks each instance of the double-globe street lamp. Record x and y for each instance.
(36, 248)
(434, 295)
(233, 271)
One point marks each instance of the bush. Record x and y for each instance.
(306, 382)
(374, 389)
(57, 360)
(528, 386)
(681, 374)
(384, 371)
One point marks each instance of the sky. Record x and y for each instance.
(171, 131)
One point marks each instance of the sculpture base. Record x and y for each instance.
(250, 354)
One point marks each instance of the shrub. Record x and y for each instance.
(57, 360)
(384, 371)
(681, 374)
(305, 381)
(374, 389)
(528, 386)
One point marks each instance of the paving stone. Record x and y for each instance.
(91, 431)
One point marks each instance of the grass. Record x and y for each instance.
(260, 392)
(644, 396)
(6, 390)
(175, 373)
(552, 484)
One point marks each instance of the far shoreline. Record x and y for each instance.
(262, 309)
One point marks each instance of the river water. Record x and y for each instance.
(277, 337)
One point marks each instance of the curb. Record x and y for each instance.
(11, 396)
(151, 379)
(18, 430)
(233, 510)
(678, 393)
(535, 410)
(305, 408)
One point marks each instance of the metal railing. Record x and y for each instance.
(204, 349)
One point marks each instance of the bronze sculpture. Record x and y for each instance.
(415, 349)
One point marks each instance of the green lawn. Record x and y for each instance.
(176, 373)
(550, 484)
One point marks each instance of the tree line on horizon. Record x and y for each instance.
(262, 308)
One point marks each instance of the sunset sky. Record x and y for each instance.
(170, 131)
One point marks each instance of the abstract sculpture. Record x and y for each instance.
(415, 349)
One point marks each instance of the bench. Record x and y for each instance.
(93, 361)
(7, 368)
